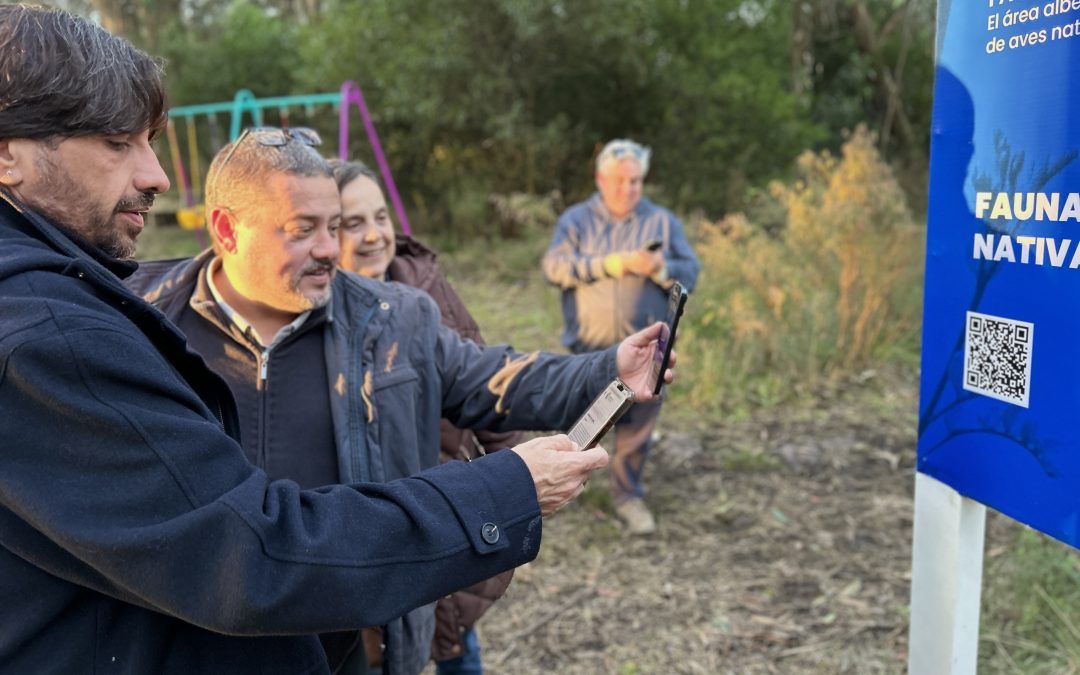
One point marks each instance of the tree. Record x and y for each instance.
(244, 47)
(870, 60)
(141, 21)
(474, 97)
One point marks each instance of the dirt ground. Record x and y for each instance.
(783, 546)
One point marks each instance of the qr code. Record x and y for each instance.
(997, 357)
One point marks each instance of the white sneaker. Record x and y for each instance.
(638, 518)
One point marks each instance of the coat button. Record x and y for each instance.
(384, 306)
(490, 533)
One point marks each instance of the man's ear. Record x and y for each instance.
(222, 224)
(11, 154)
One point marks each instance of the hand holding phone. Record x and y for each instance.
(645, 261)
(676, 303)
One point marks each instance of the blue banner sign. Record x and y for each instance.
(999, 412)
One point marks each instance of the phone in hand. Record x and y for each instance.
(602, 414)
(654, 245)
(676, 304)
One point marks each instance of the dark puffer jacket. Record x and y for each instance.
(417, 265)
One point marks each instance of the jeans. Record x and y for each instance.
(633, 439)
(469, 661)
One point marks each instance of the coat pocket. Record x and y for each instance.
(401, 432)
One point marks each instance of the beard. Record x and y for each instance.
(313, 300)
(72, 206)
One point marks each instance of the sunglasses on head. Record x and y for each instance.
(274, 137)
(620, 151)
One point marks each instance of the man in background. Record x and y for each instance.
(615, 256)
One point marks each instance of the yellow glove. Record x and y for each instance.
(614, 265)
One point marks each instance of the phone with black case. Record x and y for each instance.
(676, 303)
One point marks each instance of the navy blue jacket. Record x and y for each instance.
(134, 535)
(395, 371)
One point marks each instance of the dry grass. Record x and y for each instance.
(827, 290)
(795, 565)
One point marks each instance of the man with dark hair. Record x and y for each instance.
(134, 534)
(67, 91)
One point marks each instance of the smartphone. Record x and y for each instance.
(676, 303)
(603, 412)
(654, 245)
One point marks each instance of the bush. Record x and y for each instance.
(820, 279)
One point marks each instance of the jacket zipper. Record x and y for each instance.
(263, 358)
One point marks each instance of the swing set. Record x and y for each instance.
(190, 214)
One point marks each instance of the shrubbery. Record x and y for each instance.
(820, 279)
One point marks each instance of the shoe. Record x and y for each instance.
(638, 518)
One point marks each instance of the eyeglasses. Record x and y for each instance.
(274, 137)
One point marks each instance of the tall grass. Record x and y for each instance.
(821, 279)
(1031, 606)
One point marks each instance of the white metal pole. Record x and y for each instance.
(946, 580)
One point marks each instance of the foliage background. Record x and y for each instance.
(479, 97)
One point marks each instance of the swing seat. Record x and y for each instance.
(191, 218)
